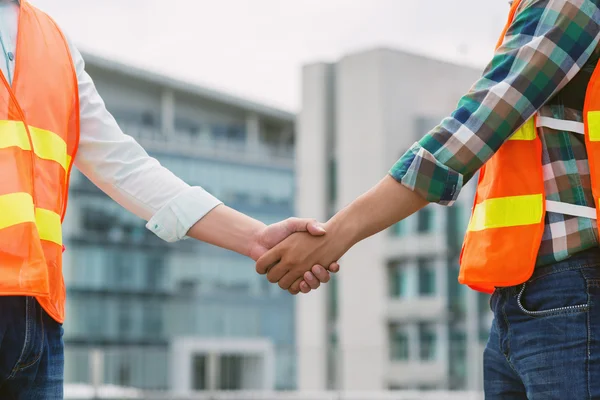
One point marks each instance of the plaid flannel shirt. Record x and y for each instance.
(545, 47)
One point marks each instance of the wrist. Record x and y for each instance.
(255, 235)
(345, 226)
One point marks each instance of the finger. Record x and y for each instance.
(334, 267)
(315, 228)
(304, 288)
(321, 274)
(268, 260)
(313, 282)
(299, 286)
(288, 278)
(277, 272)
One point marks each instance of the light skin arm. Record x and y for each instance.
(385, 204)
(227, 228)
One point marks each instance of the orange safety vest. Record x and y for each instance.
(39, 136)
(507, 223)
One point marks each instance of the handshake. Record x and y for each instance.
(298, 254)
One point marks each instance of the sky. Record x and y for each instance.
(255, 48)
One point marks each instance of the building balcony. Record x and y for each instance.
(416, 309)
(416, 374)
(185, 144)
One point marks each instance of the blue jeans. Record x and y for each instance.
(31, 351)
(545, 338)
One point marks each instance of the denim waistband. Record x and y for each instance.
(585, 259)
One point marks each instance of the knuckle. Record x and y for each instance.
(271, 278)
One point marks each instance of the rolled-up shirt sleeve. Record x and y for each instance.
(121, 168)
(545, 46)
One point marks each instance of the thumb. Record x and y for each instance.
(311, 226)
(315, 228)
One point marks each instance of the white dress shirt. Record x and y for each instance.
(114, 161)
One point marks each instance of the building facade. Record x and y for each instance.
(188, 315)
(396, 317)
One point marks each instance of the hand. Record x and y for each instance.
(268, 237)
(289, 261)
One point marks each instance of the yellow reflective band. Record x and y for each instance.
(13, 134)
(48, 225)
(527, 131)
(593, 121)
(47, 145)
(16, 208)
(504, 212)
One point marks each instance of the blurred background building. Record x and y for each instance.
(189, 316)
(157, 309)
(396, 317)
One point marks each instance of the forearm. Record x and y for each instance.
(384, 205)
(227, 228)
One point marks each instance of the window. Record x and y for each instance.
(153, 326)
(332, 361)
(97, 221)
(483, 300)
(332, 300)
(425, 220)
(94, 314)
(124, 320)
(426, 278)
(454, 227)
(457, 359)
(456, 292)
(399, 344)
(427, 342)
(148, 119)
(332, 181)
(124, 378)
(155, 272)
(399, 283)
(199, 372)
(230, 376)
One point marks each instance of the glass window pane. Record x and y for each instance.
(399, 284)
(425, 220)
(427, 342)
(399, 344)
(426, 278)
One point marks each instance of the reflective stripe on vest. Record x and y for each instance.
(505, 212)
(593, 120)
(22, 210)
(561, 125)
(46, 145)
(527, 133)
(570, 209)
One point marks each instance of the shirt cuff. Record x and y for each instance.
(172, 222)
(422, 173)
